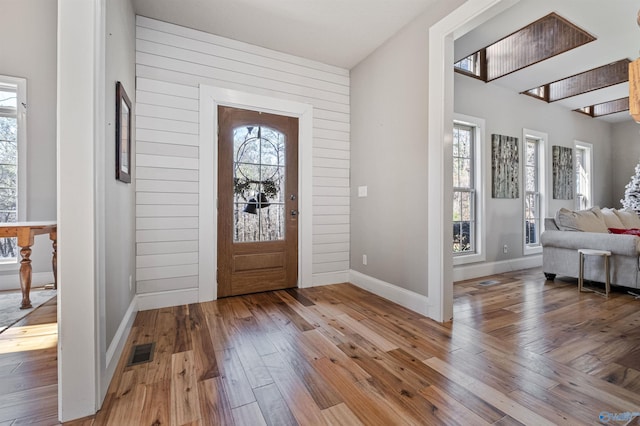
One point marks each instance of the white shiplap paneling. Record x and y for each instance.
(171, 63)
(155, 260)
(166, 174)
(167, 247)
(166, 223)
(166, 210)
(146, 160)
(158, 235)
(154, 148)
(150, 185)
(166, 198)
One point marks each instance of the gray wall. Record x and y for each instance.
(507, 113)
(119, 196)
(625, 150)
(389, 109)
(389, 105)
(28, 50)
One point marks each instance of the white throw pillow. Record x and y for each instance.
(590, 220)
(629, 218)
(611, 219)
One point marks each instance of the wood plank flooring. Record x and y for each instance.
(29, 369)
(522, 351)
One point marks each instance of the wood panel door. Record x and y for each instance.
(257, 201)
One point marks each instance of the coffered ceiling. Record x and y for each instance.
(612, 22)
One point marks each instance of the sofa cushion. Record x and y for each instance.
(550, 224)
(590, 220)
(629, 218)
(611, 219)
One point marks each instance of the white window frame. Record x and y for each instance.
(479, 255)
(586, 146)
(21, 115)
(542, 138)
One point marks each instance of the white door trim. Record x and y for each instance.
(210, 98)
(440, 146)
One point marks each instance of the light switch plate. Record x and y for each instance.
(362, 191)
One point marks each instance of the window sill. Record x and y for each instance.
(532, 250)
(463, 259)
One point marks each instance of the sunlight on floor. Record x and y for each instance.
(29, 338)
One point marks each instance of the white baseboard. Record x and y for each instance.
(470, 271)
(165, 299)
(330, 278)
(114, 351)
(407, 298)
(12, 281)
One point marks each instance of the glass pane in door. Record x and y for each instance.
(259, 184)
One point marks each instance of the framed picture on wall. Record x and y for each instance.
(123, 135)
(563, 177)
(504, 167)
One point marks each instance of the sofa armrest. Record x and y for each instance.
(625, 245)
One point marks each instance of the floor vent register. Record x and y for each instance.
(141, 354)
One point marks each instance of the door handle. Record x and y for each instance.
(294, 212)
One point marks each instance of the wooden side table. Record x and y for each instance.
(607, 285)
(25, 233)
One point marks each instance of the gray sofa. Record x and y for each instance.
(560, 246)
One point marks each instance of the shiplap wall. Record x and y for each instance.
(171, 62)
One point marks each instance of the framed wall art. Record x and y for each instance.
(563, 178)
(123, 135)
(505, 171)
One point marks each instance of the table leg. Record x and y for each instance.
(581, 273)
(607, 283)
(54, 259)
(25, 276)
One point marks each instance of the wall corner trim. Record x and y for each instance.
(403, 297)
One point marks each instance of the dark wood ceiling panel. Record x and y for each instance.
(540, 40)
(594, 79)
(611, 107)
(605, 108)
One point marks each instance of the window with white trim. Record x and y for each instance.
(534, 189)
(584, 164)
(532, 192)
(468, 202)
(12, 148)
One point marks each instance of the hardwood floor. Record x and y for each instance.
(28, 369)
(520, 351)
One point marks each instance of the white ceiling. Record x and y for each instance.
(335, 32)
(612, 22)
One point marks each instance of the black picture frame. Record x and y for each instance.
(123, 134)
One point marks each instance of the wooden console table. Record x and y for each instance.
(25, 232)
